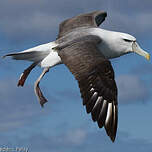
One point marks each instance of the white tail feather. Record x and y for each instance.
(34, 54)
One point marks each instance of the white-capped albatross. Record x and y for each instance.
(85, 49)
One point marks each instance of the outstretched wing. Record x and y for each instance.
(95, 76)
(92, 19)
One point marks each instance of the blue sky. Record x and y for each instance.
(63, 125)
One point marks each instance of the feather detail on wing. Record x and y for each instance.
(95, 77)
(92, 19)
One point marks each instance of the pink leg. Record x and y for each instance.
(25, 74)
(37, 89)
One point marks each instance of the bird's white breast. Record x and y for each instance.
(52, 59)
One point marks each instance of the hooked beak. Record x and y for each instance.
(136, 48)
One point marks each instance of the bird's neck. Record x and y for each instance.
(109, 46)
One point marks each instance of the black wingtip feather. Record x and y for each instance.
(91, 102)
(111, 125)
(96, 109)
(103, 114)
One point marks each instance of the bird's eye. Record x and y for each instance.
(126, 40)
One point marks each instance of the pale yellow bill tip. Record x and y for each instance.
(148, 56)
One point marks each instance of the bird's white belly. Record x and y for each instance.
(51, 60)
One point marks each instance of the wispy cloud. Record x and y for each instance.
(18, 106)
(40, 20)
(142, 69)
(79, 140)
(131, 89)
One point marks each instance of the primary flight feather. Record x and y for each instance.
(85, 49)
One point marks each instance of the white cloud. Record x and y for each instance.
(95, 141)
(23, 20)
(18, 106)
(76, 137)
(131, 89)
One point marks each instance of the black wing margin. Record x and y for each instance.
(95, 76)
(92, 19)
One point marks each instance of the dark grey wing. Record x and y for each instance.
(95, 76)
(92, 19)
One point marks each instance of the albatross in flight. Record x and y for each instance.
(85, 49)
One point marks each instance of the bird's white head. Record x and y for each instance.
(116, 44)
(128, 44)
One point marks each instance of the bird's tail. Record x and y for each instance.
(34, 54)
(29, 56)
